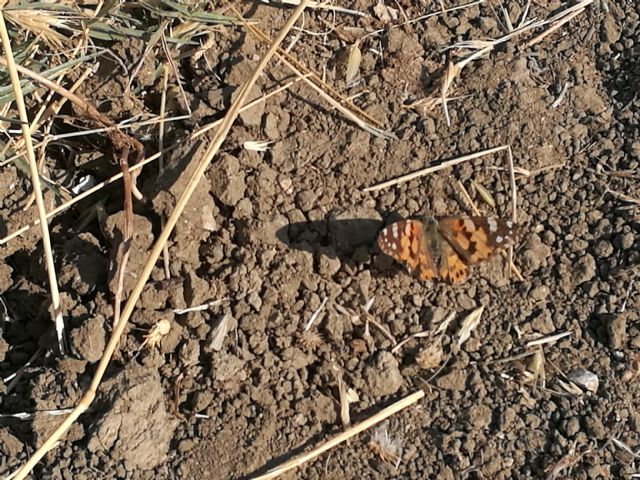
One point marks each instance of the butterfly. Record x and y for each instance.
(444, 248)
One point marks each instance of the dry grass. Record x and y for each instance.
(119, 327)
(174, 27)
(37, 189)
(344, 436)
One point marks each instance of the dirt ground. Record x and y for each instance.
(276, 236)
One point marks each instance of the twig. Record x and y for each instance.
(35, 182)
(563, 92)
(315, 315)
(403, 342)
(78, 198)
(435, 168)
(345, 417)
(15, 377)
(382, 330)
(139, 164)
(353, 113)
(549, 339)
(514, 207)
(560, 19)
(204, 162)
(249, 105)
(318, 6)
(622, 196)
(200, 308)
(163, 105)
(442, 11)
(467, 197)
(344, 436)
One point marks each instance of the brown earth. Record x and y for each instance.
(273, 234)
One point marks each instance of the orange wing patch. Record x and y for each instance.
(477, 239)
(447, 247)
(427, 270)
(405, 242)
(452, 268)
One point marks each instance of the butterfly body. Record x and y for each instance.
(444, 248)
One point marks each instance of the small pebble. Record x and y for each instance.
(584, 379)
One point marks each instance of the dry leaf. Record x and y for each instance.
(469, 324)
(353, 64)
(385, 14)
(484, 194)
(352, 396)
(220, 332)
(536, 367)
(257, 146)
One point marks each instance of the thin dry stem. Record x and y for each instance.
(249, 105)
(338, 101)
(319, 6)
(163, 105)
(204, 162)
(139, 164)
(514, 209)
(76, 199)
(435, 168)
(560, 19)
(442, 11)
(345, 416)
(382, 329)
(467, 197)
(403, 342)
(442, 85)
(344, 436)
(550, 339)
(35, 181)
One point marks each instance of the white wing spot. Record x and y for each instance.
(394, 230)
(499, 239)
(509, 225)
(493, 225)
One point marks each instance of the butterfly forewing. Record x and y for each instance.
(404, 242)
(477, 239)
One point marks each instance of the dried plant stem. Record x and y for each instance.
(163, 106)
(467, 197)
(204, 162)
(138, 165)
(76, 199)
(560, 19)
(514, 209)
(35, 182)
(435, 168)
(251, 104)
(319, 6)
(549, 339)
(344, 436)
(353, 113)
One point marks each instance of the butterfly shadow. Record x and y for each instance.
(349, 240)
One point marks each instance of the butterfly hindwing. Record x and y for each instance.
(452, 268)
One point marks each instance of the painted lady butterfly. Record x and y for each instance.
(445, 247)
